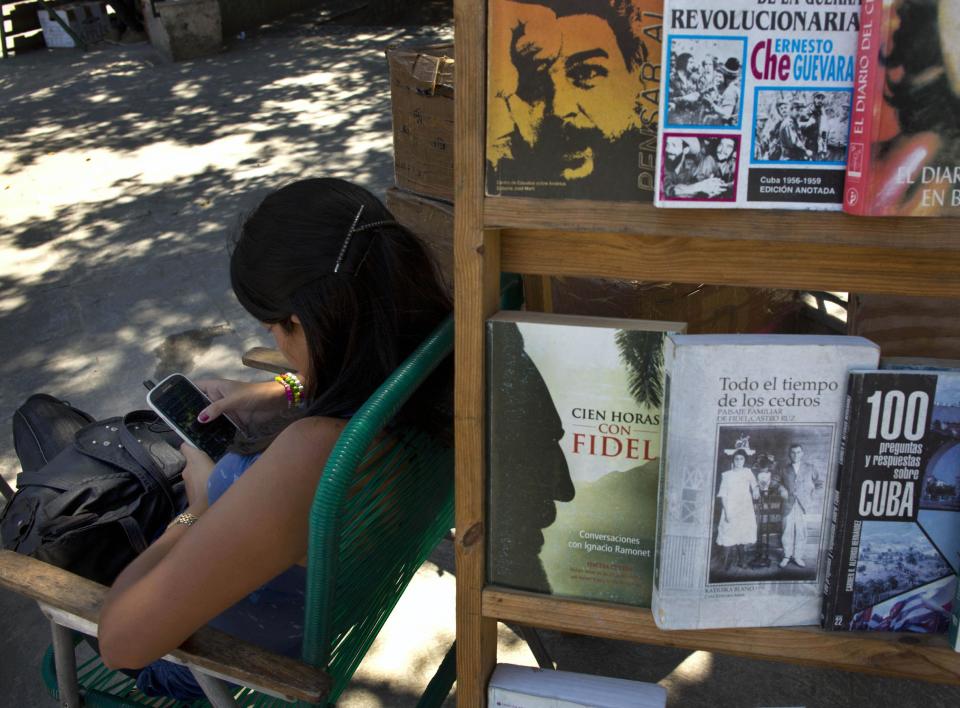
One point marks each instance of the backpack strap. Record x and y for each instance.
(134, 535)
(142, 456)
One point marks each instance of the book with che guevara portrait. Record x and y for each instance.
(573, 439)
(573, 88)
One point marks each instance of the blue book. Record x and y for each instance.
(896, 534)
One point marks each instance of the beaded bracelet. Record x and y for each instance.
(293, 388)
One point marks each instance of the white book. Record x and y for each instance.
(514, 686)
(750, 453)
(755, 105)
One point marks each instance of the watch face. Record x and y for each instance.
(181, 402)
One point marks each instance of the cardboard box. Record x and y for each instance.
(432, 221)
(421, 92)
(87, 19)
(908, 326)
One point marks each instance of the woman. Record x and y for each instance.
(738, 522)
(347, 293)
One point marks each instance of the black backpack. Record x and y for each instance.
(92, 495)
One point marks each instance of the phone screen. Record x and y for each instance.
(180, 401)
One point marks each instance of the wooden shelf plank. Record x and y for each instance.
(726, 224)
(761, 263)
(911, 656)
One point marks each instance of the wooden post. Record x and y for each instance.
(476, 287)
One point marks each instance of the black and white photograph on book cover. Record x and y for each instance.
(705, 87)
(799, 125)
(699, 167)
(769, 502)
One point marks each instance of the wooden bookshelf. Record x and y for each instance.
(906, 655)
(801, 250)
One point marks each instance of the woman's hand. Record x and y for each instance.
(195, 475)
(248, 404)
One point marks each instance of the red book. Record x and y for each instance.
(904, 149)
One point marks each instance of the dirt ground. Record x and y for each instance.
(122, 179)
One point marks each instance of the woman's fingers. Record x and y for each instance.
(212, 412)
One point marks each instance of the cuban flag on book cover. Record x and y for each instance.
(927, 610)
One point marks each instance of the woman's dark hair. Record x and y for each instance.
(360, 322)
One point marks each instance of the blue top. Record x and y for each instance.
(271, 616)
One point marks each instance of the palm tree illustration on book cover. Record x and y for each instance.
(578, 517)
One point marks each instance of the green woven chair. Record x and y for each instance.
(384, 502)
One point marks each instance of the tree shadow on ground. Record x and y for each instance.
(124, 178)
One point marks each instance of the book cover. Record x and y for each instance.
(896, 542)
(574, 407)
(513, 686)
(751, 437)
(905, 128)
(572, 96)
(953, 634)
(756, 103)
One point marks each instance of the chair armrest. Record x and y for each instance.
(267, 360)
(75, 602)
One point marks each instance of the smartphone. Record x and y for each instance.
(178, 402)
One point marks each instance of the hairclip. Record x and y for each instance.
(371, 225)
(346, 241)
(374, 224)
(354, 229)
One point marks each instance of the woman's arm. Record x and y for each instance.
(254, 532)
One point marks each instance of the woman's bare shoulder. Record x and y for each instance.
(313, 435)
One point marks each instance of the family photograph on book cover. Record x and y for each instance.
(769, 502)
(699, 167)
(800, 125)
(573, 98)
(706, 81)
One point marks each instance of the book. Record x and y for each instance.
(514, 686)
(919, 363)
(905, 137)
(896, 539)
(572, 95)
(573, 445)
(750, 440)
(953, 634)
(756, 106)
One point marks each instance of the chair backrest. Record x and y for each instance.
(383, 503)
